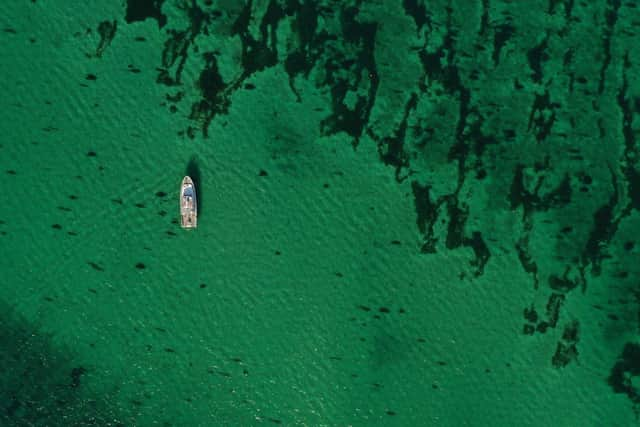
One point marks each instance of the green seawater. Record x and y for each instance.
(412, 213)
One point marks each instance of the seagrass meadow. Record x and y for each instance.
(411, 213)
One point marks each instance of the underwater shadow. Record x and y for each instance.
(43, 382)
(193, 170)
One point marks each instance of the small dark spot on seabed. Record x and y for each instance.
(72, 233)
(162, 213)
(95, 266)
(91, 77)
(542, 327)
(139, 205)
(161, 194)
(169, 350)
(391, 413)
(107, 31)
(278, 252)
(530, 314)
(383, 310)
(48, 299)
(364, 308)
(202, 286)
(171, 233)
(11, 172)
(140, 266)
(396, 242)
(76, 373)
(56, 226)
(91, 154)
(263, 173)
(628, 246)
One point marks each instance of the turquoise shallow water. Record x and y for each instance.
(411, 213)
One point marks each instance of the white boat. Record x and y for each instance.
(188, 205)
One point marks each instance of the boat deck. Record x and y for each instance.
(189, 220)
(188, 204)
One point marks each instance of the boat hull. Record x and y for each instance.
(188, 204)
